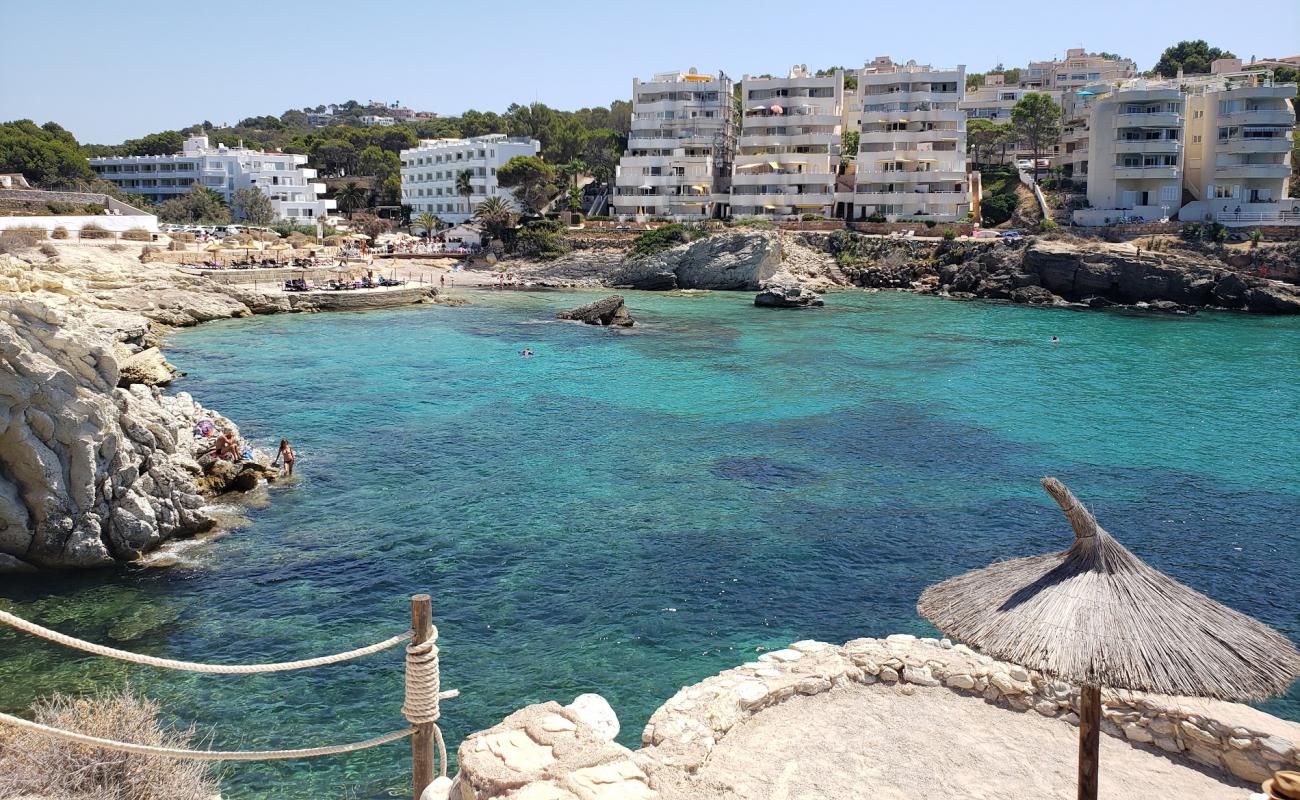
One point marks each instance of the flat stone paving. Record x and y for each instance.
(879, 743)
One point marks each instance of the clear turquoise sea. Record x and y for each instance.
(631, 511)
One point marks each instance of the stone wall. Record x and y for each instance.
(541, 740)
(919, 228)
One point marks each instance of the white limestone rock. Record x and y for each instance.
(597, 713)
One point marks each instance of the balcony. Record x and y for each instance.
(1262, 117)
(1275, 171)
(789, 140)
(1156, 119)
(796, 199)
(1255, 144)
(1148, 146)
(1147, 173)
(909, 199)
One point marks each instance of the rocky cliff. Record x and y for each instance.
(1059, 272)
(1036, 271)
(743, 260)
(96, 467)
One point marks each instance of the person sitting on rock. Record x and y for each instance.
(227, 446)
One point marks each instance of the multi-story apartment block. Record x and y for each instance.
(680, 148)
(789, 149)
(377, 121)
(429, 173)
(1079, 69)
(1076, 117)
(282, 176)
(1239, 150)
(912, 141)
(1135, 165)
(995, 100)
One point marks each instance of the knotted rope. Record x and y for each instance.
(192, 666)
(423, 691)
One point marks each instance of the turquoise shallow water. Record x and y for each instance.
(628, 512)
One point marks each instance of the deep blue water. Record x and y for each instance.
(629, 512)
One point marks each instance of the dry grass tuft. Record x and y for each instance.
(49, 251)
(92, 231)
(16, 239)
(31, 764)
(137, 235)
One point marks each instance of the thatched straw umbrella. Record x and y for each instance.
(1097, 615)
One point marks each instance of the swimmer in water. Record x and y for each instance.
(527, 351)
(1055, 340)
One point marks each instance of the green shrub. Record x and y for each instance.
(1047, 225)
(137, 235)
(93, 231)
(1219, 233)
(1256, 236)
(949, 234)
(660, 239)
(811, 217)
(876, 216)
(929, 223)
(844, 258)
(998, 208)
(1192, 231)
(541, 239)
(59, 233)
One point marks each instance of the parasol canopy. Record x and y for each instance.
(1098, 615)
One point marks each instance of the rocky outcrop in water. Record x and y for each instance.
(98, 466)
(788, 297)
(1060, 272)
(608, 311)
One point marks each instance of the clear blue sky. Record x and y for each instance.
(108, 71)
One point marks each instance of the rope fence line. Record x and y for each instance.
(202, 755)
(421, 706)
(193, 666)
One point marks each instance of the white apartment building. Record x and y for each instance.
(911, 158)
(680, 148)
(1079, 69)
(282, 176)
(429, 173)
(377, 121)
(1239, 151)
(789, 149)
(1135, 163)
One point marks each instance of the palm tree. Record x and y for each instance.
(350, 197)
(495, 216)
(428, 223)
(466, 187)
(573, 168)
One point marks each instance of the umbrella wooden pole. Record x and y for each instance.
(1089, 740)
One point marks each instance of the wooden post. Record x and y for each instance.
(1089, 740)
(422, 742)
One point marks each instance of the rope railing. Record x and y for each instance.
(194, 666)
(421, 706)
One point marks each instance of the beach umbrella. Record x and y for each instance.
(280, 247)
(1097, 615)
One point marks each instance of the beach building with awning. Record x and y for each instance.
(680, 148)
(789, 147)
